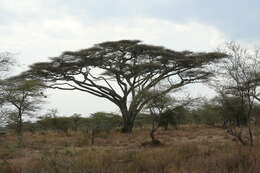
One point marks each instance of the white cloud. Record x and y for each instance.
(70, 33)
(21, 6)
(36, 40)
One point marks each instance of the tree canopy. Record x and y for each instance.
(123, 71)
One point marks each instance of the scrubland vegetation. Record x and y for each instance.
(195, 143)
(155, 131)
(190, 148)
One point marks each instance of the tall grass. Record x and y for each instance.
(182, 152)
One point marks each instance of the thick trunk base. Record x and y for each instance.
(127, 127)
(127, 130)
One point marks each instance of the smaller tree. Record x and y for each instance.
(6, 60)
(22, 97)
(163, 109)
(157, 104)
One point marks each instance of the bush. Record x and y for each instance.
(209, 114)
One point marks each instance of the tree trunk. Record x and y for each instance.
(152, 134)
(127, 126)
(166, 126)
(19, 129)
(251, 138)
(153, 130)
(128, 120)
(93, 136)
(238, 120)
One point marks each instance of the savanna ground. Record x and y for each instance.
(189, 149)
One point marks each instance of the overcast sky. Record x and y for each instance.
(37, 29)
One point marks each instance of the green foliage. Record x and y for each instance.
(62, 124)
(102, 121)
(174, 117)
(22, 95)
(143, 120)
(99, 121)
(209, 114)
(234, 109)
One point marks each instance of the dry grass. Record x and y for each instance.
(196, 149)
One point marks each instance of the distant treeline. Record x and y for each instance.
(207, 114)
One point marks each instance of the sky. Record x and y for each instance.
(35, 30)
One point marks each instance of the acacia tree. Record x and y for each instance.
(22, 98)
(122, 71)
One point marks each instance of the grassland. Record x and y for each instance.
(189, 149)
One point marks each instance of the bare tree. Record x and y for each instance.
(237, 85)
